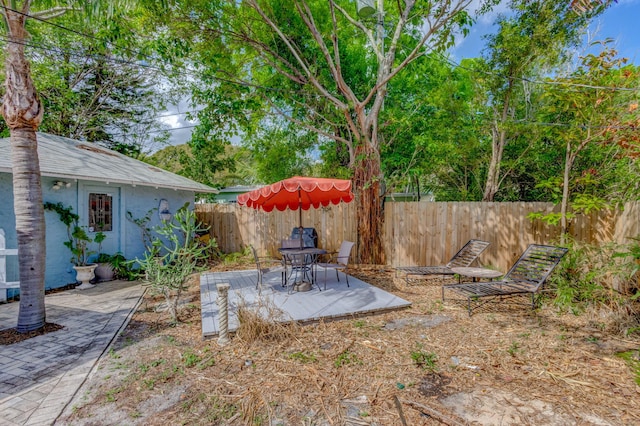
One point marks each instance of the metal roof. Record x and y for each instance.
(239, 188)
(68, 158)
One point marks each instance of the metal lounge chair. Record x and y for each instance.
(526, 276)
(338, 261)
(464, 257)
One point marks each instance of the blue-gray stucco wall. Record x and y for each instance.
(138, 200)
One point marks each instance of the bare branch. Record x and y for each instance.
(307, 17)
(334, 39)
(304, 124)
(439, 21)
(51, 13)
(314, 81)
(264, 50)
(367, 32)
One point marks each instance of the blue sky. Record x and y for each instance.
(621, 22)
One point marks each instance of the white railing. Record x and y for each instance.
(4, 284)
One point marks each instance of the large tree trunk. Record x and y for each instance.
(22, 111)
(493, 175)
(499, 140)
(367, 178)
(564, 204)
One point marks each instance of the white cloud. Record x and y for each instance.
(172, 121)
(175, 118)
(489, 17)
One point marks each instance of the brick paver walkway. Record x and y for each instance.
(40, 376)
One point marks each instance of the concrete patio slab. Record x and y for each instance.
(337, 301)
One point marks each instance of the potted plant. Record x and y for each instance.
(79, 246)
(78, 243)
(113, 266)
(104, 271)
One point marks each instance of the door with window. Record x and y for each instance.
(103, 215)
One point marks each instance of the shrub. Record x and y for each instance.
(580, 277)
(587, 278)
(171, 260)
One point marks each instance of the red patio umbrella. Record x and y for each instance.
(298, 193)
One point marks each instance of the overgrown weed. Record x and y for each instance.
(633, 360)
(423, 359)
(597, 281)
(263, 322)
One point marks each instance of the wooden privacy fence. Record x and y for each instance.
(420, 233)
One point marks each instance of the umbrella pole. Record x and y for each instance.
(300, 228)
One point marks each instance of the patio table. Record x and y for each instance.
(476, 273)
(309, 256)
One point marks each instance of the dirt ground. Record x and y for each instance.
(430, 364)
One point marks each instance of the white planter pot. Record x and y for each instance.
(104, 272)
(85, 274)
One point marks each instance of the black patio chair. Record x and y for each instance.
(295, 265)
(526, 276)
(266, 265)
(338, 261)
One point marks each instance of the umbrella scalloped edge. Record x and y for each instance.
(298, 192)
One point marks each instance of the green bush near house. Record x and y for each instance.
(122, 268)
(171, 259)
(79, 240)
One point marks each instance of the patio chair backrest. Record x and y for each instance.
(293, 259)
(290, 243)
(468, 253)
(344, 252)
(255, 255)
(535, 264)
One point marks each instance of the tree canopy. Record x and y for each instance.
(312, 67)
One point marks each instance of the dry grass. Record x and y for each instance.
(505, 365)
(263, 323)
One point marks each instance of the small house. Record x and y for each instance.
(109, 191)
(230, 194)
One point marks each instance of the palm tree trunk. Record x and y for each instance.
(22, 111)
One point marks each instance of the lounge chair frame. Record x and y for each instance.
(526, 276)
(464, 257)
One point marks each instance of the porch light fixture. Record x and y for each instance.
(57, 185)
(163, 210)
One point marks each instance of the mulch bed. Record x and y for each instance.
(11, 335)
